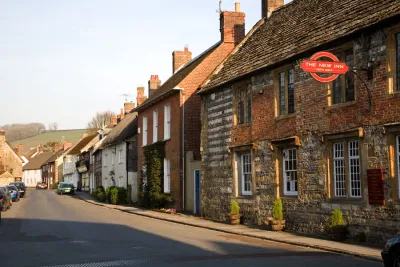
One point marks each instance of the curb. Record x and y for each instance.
(328, 249)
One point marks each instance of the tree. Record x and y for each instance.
(100, 119)
(53, 127)
(16, 132)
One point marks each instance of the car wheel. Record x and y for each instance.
(395, 258)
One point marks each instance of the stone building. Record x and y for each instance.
(170, 117)
(10, 161)
(271, 131)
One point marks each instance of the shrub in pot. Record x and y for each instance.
(234, 216)
(277, 223)
(338, 229)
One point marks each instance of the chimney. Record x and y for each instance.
(114, 121)
(128, 106)
(268, 6)
(2, 136)
(40, 148)
(154, 84)
(232, 25)
(20, 150)
(140, 96)
(58, 147)
(180, 58)
(67, 145)
(122, 114)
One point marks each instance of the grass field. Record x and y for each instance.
(72, 136)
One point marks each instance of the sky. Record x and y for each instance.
(64, 60)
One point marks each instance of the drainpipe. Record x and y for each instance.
(183, 145)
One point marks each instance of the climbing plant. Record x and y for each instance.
(151, 184)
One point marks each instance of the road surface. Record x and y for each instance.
(46, 229)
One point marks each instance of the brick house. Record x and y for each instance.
(10, 161)
(171, 115)
(50, 168)
(269, 130)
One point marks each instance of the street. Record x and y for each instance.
(50, 230)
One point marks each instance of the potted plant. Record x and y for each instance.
(276, 223)
(337, 228)
(234, 216)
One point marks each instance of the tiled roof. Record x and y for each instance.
(15, 152)
(126, 128)
(6, 174)
(177, 78)
(37, 161)
(30, 153)
(55, 156)
(299, 27)
(81, 144)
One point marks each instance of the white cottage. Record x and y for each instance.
(32, 172)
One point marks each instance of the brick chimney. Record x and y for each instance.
(114, 121)
(232, 25)
(58, 147)
(20, 150)
(140, 96)
(121, 114)
(40, 148)
(128, 106)
(2, 136)
(180, 58)
(268, 6)
(154, 84)
(67, 145)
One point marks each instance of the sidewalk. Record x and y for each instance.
(282, 237)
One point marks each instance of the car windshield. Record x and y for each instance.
(11, 188)
(19, 185)
(66, 186)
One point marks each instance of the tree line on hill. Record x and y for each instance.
(18, 131)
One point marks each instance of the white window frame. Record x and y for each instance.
(155, 126)
(246, 171)
(292, 192)
(339, 169)
(398, 160)
(167, 121)
(144, 131)
(167, 176)
(353, 167)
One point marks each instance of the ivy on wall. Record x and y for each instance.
(151, 183)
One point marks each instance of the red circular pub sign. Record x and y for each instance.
(334, 67)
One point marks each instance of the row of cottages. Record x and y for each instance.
(169, 120)
(269, 130)
(10, 161)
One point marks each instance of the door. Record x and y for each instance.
(197, 191)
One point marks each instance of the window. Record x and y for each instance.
(120, 156)
(244, 105)
(167, 122)
(290, 172)
(167, 176)
(155, 126)
(346, 177)
(398, 62)
(144, 131)
(246, 175)
(343, 86)
(286, 92)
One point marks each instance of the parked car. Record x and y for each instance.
(41, 185)
(66, 189)
(21, 188)
(14, 192)
(391, 252)
(60, 184)
(6, 199)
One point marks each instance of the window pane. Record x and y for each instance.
(398, 61)
(290, 171)
(349, 76)
(241, 112)
(246, 175)
(338, 170)
(291, 92)
(248, 107)
(337, 91)
(282, 100)
(354, 169)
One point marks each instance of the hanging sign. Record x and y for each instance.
(334, 67)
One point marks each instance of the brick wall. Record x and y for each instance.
(312, 123)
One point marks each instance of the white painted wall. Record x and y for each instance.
(133, 180)
(70, 172)
(31, 177)
(107, 166)
(114, 159)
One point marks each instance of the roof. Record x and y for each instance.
(81, 144)
(54, 156)
(13, 150)
(124, 129)
(299, 27)
(30, 153)
(6, 174)
(98, 145)
(177, 78)
(90, 144)
(37, 161)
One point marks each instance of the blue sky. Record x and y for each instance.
(62, 61)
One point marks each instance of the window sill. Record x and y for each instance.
(244, 196)
(338, 200)
(287, 116)
(165, 140)
(242, 125)
(394, 93)
(342, 105)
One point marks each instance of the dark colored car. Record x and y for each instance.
(66, 189)
(21, 188)
(14, 192)
(5, 197)
(391, 253)
(41, 185)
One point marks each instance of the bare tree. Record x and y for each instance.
(100, 119)
(53, 127)
(21, 131)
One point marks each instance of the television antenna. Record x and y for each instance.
(220, 7)
(126, 96)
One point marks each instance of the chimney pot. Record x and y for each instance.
(237, 7)
(154, 83)
(67, 145)
(180, 58)
(140, 98)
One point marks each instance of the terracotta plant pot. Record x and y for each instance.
(338, 232)
(234, 218)
(275, 225)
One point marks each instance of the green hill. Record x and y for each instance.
(72, 136)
